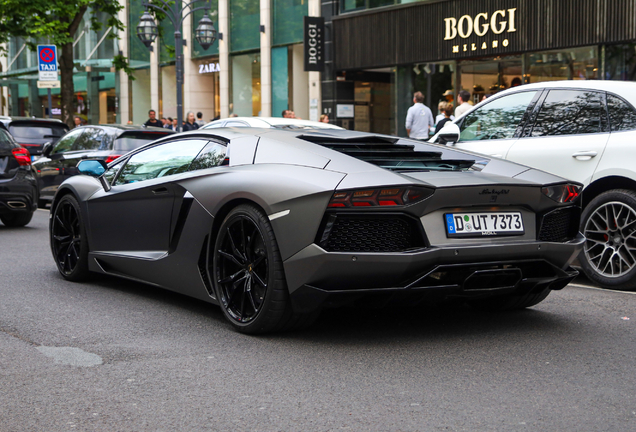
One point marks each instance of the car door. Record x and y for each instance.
(51, 169)
(493, 128)
(136, 213)
(568, 134)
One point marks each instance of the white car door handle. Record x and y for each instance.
(584, 155)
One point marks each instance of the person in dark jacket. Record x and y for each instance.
(152, 121)
(447, 110)
(190, 124)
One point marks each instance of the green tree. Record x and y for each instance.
(57, 21)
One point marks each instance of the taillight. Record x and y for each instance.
(111, 158)
(563, 193)
(22, 155)
(384, 197)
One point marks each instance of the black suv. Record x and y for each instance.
(18, 183)
(32, 133)
(105, 142)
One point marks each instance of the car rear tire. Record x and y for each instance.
(510, 302)
(69, 243)
(16, 219)
(609, 253)
(248, 276)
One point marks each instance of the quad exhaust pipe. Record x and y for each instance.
(16, 204)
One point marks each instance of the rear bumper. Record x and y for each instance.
(19, 194)
(316, 277)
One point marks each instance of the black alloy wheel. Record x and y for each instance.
(609, 225)
(68, 239)
(248, 274)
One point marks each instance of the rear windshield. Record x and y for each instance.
(396, 157)
(29, 132)
(126, 143)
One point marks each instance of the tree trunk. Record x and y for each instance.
(68, 90)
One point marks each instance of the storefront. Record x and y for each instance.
(482, 46)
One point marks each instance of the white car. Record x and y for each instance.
(269, 122)
(584, 131)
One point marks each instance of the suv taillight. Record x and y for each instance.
(22, 155)
(382, 197)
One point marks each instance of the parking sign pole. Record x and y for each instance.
(50, 103)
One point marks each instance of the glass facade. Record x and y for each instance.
(246, 85)
(287, 17)
(280, 81)
(138, 54)
(358, 5)
(197, 50)
(620, 62)
(244, 25)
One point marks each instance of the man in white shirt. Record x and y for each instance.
(464, 106)
(419, 118)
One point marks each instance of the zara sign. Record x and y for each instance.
(209, 68)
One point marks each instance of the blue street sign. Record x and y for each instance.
(47, 62)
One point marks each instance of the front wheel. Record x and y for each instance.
(609, 225)
(248, 274)
(68, 239)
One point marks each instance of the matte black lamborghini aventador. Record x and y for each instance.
(274, 225)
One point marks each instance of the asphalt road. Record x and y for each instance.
(113, 355)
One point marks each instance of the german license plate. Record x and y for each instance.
(483, 224)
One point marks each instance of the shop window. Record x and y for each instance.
(244, 25)
(620, 62)
(498, 119)
(571, 64)
(288, 21)
(622, 116)
(246, 85)
(569, 112)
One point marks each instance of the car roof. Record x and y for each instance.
(279, 121)
(10, 119)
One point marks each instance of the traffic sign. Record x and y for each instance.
(47, 62)
(49, 84)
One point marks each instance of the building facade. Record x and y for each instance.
(385, 50)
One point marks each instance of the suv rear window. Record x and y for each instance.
(35, 133)
(127, 141)
(570, 112)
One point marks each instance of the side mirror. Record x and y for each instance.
(46, 149)
(93, 168)
(449, 134)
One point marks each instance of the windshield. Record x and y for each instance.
(32, 133)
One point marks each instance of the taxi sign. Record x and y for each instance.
(47, 63)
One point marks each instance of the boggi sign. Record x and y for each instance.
(499, 22)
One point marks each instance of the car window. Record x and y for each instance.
(569, 112)
(30, 131)
(91, 139)
(66, 143)
(128, 142)
(165, 159)
(211, 156)
(236, 123)
(112, 171)
(498, 119)
(6, 143)
(622, 115)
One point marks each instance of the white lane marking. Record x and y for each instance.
(602, 289)
(71, 356)
(278, 215)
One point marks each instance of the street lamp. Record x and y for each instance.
(205, 34)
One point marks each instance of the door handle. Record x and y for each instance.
(160, 191)
(584, 155)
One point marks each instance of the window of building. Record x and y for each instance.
(620, 62)
(569, 64)
(287, 18)
(138, 55)
(622, 116)
(351, 5)
(246, 85)
(569, 112)
(197, 50)
(498, 119)
(244, 25)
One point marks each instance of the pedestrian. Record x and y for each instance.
(449, 96)
(447, 110)
(164, 121)
(440, 109)
(78, 121)
(287, 113)
(324, 118)
(190, 124)
(419, 118)
(168, 124)
(152, 120)
(200, 121)
(174, 125)
(463, 98)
